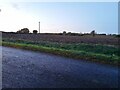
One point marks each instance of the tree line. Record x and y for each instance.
(92, 33)
(25, 31)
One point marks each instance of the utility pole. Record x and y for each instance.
(39, 27)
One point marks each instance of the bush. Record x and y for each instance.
(35, 31)
(24, 30)
(93, 33)
(64, 32)
(118, 35)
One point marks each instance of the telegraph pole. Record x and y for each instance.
(39, 27)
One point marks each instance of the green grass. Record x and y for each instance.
(91, 52)
(95, 48)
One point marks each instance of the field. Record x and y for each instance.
(101, 48)
(98, 39)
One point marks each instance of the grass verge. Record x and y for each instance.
(112, 59)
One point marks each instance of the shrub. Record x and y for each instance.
(64, 32)
(118, 35)
(35, 31)
(93, 33)
(24, 30)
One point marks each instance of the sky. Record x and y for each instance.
(56, 17)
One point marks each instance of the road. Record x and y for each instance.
(29, 69)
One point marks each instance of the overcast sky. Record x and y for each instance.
(60, 16)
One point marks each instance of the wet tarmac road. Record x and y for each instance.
(28, 69)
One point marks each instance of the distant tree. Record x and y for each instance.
(64, 32)
(18, 31)
(35, 31)
(80, 34)
(103, 34)
(93, 33)
(69, 33)
(118, 35)
(74, 34)
(24, 30)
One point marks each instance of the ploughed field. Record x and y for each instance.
(100, 48)
(98, 39)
